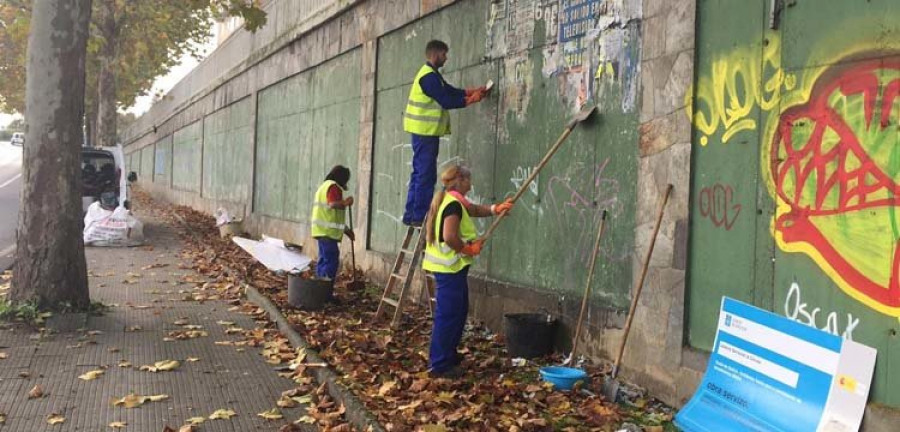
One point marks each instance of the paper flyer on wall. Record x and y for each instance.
(768, 373)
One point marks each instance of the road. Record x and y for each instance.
(10, 184)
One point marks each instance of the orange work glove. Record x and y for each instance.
(503, 207)
(473, 98)
(472, 249)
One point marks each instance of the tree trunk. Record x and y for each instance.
(50, 265)
(106, 113)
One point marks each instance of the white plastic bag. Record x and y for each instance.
(222, 217)
(111, 228)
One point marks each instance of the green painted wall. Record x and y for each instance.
(306, 124)
(228, 152)
(547, 242)
(147, 161)
(163, 162)
(186, 157)
(796, 158)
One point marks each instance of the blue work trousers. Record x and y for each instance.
(422, 179)
(329, 258)
(449, 319)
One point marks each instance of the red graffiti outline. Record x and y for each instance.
(795, 226)
(717, 200)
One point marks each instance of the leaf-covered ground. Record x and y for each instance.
(387, 369)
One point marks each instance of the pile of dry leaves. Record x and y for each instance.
(387, 369)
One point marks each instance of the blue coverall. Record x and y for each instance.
(449, 319)
(329, 258)
(425, 149)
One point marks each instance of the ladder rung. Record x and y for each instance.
(398, 276)
(390, 301)
(407, 251)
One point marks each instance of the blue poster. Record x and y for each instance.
(768, 373)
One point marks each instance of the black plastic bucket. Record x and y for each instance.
(529, 335)
(309, 294)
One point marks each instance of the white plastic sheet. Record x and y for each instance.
(272, 253)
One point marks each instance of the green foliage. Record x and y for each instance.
(27, 312)
(151, 36)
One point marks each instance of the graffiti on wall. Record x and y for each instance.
(717, 204)
(833, 165)
(798, 310)
(727, 95)
(830, 158)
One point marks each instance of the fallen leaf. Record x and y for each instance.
(3, 356)
(36, 392)
(196, 420)
(305, 419)
(134, 401)
(302, 400)
(192, 359)
(225, 323)
(2, 418)
(118, 425)
(272, 414)
(124, 364)
(55, 419)
(94, 332)
(386, 388)
(434, 428)
(92, 375)
(133, 329)
(223, 414)
(161, 366)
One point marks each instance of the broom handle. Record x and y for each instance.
(352, 248)
(531, 178)
(587, 287)
(640, 284)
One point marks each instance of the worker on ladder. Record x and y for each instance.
(451, 247)
(427, 119)
(329, 210)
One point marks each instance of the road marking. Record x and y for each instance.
(8, 182)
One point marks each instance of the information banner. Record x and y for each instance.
(768, 373)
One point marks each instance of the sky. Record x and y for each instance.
(164, 83)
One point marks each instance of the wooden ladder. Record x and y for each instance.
(403, 277)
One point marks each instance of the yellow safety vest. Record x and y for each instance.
(424, 115)
(326, 221)
(440, 258)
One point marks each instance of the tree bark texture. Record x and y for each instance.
(106, 119)
(50, 264)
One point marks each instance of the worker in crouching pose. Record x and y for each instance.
(328, 213)
(451, 247)
(427, 119)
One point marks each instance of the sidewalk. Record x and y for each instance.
(149, 297)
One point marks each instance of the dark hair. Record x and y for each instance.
(340, 175)
(434, 46)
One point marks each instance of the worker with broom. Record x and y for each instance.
(328, 213)
(427, 119)
(451, 247)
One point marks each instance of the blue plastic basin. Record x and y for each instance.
(562, 378)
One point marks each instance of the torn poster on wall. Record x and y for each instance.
(589, 46)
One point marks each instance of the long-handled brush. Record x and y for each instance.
(610, 384)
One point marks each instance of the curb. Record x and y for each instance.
(355, 412)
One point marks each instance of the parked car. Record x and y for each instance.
(18, 139)
(102, 171)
